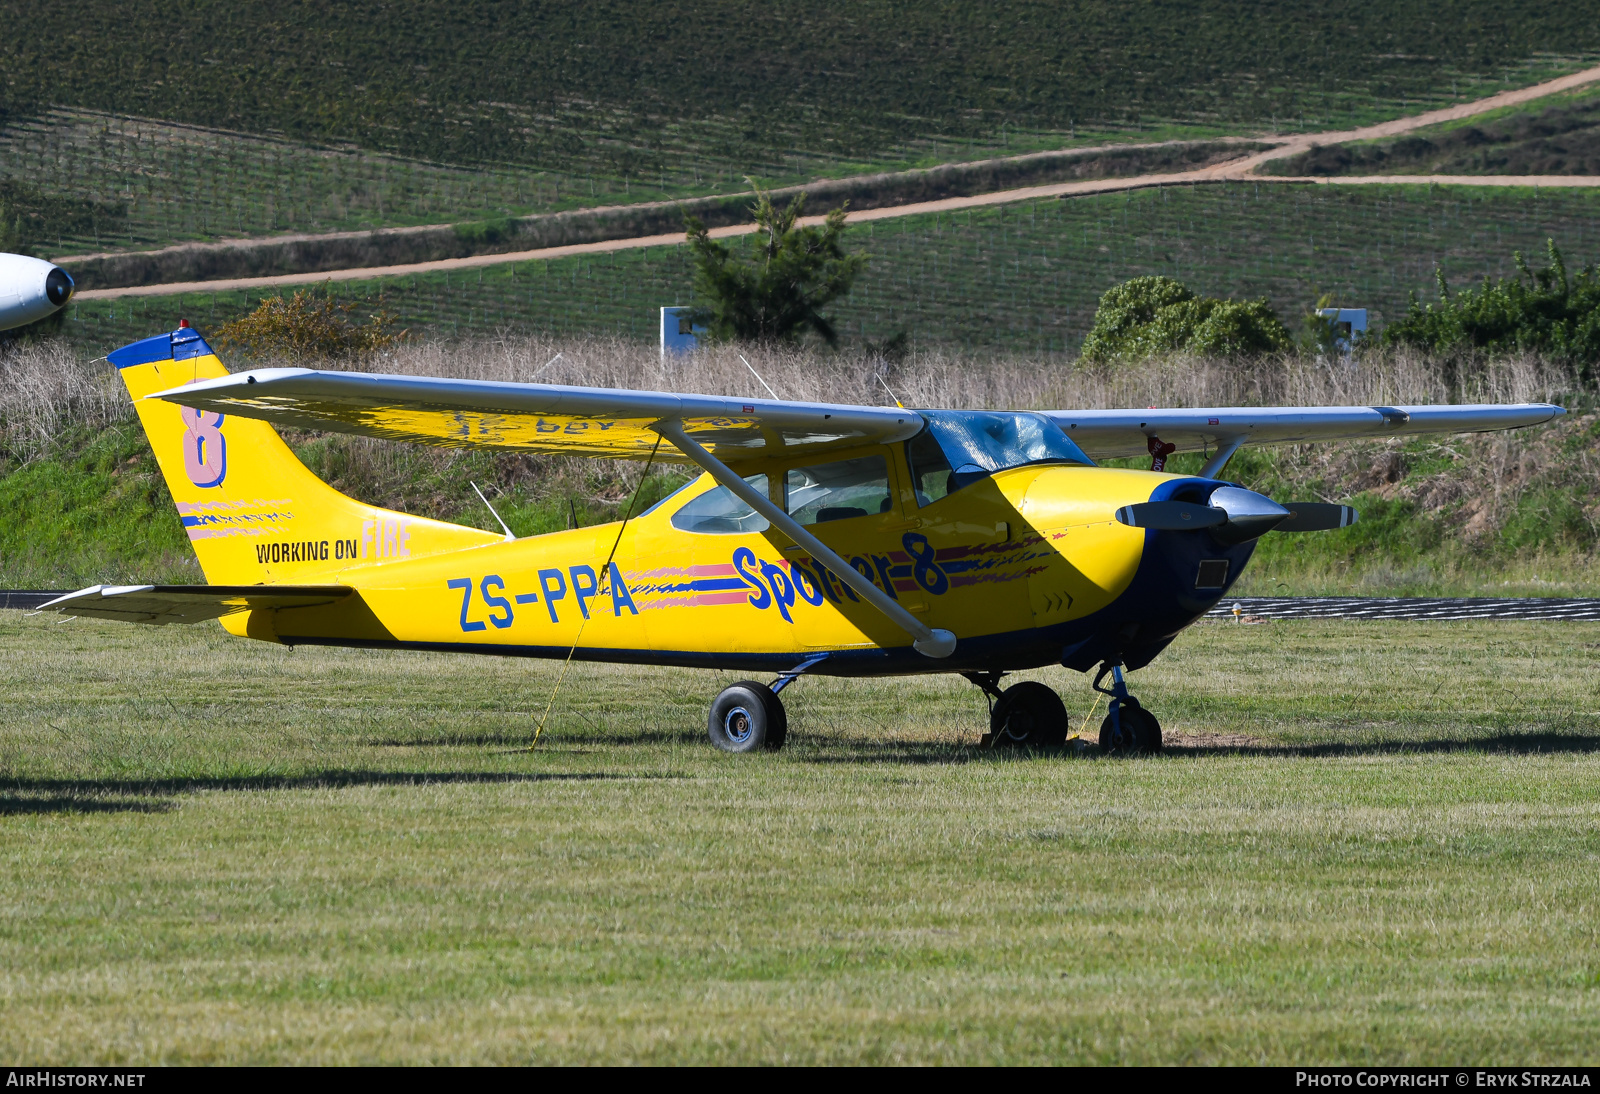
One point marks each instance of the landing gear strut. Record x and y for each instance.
(1025, 715)
(1128, 727)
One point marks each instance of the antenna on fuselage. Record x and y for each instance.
(544, 366)
(475, 490)
(886, 387)
(757, 375)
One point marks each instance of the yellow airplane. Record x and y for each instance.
(841, 540)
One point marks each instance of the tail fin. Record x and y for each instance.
(254, 513)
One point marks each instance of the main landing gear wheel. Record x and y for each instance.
(1132, 730)
(748, 717)
(1028, 715)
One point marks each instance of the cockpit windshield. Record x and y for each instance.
(995, 441)
(961, 446)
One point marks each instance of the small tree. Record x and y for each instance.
(776, 291)
(309, 324)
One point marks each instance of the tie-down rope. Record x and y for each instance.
(606, 569)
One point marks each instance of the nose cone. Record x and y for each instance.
(58, 286)
(1250, 514)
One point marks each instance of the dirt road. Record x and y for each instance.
(1232, 170)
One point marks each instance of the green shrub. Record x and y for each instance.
(1154, 315)
(481, 233)
(1540, 311)
(310, 324)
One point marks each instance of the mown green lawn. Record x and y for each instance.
(1370, 842)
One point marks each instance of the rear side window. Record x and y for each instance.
(838, 490)
(718, 513)
(931, 473)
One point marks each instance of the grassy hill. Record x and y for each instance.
(1555, 136)
(377, 106)
(1022, 277)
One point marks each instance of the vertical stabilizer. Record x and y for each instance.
(253, 512)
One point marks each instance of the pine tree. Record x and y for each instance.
(774, 291)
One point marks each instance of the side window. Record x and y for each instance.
(837, 491)
(718, 513)
(930, 469)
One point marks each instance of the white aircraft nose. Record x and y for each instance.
(31, 289)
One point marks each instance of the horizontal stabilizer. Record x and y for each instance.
(1316, 516)
(1171, 516)
(161, 604)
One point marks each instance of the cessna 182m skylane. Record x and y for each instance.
(847, 540)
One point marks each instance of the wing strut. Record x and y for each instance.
(926, 640)
(1226, 447)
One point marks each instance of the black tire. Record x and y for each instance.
(1141, 733)
(748, 717)
(1028, 715)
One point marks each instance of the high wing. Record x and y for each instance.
(618, 423)
(162, 604)
(1109, 434)
(575, 421)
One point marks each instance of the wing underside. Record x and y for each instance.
(622, 424)
(1110, 434)
(539, 417)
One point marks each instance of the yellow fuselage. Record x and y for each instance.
(1026, 549)
(1024, 566)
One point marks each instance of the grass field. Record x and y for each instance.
(1368, 843)
(1017, 277)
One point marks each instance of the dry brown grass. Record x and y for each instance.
(946, 378)
(42, 385)
(46, 389)
(1475, 487)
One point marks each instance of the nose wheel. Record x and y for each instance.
(1128, 729)
(748, 717)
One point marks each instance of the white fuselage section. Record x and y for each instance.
(30, 290)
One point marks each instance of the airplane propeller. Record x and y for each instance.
(1236, 515)
(1171, 516)
(1317, 516)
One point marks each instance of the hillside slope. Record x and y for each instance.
(1558, 137)
(610, 101)
(1020, 277)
